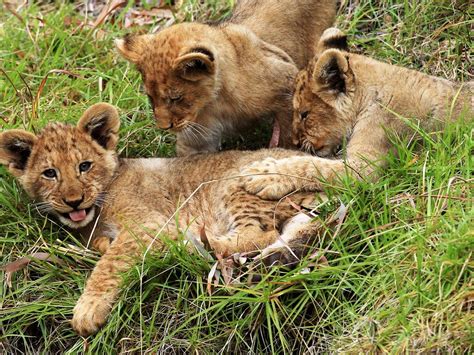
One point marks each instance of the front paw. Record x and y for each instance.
(90, 313)
(266, 179)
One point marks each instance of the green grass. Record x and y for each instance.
(398, 276)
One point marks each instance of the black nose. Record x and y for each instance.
(74, 203)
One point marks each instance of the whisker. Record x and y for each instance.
(102, 199)
(43, 207)
(198, 132)
(194, 135)
(39, 204)
(208, 131)
(202, 128)
(188, 134)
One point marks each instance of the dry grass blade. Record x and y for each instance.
(147, 17)
(34, 110)
(395, 279)
(107, 10)
(21, 263)
(226, 265)
(213, 273)
(339, 218)
(204, 239)
(9, 7)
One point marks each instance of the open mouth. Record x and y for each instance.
(77, 216)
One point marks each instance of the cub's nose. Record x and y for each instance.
(163, 125)
(73, 203)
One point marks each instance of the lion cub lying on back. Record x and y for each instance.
(207, 81)
(348, 98)
(76, 175)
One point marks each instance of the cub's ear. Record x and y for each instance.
(196, 64)
(331, 73)
(101, 121)
(15, 149)
(332, 38)
(131, 47)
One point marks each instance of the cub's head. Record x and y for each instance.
(66, 169)
(323, 99)
(179, 71)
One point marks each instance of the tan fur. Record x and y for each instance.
(205, 81)
(348, 98)
(131, 203)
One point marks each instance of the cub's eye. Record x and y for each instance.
(84, 166)
(304, 115)
(49, 173)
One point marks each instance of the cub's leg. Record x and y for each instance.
(103, 285)
(249, 223)
(298, 235)
(366, 151)
(101, 244)
(274, 178)
(244, 239)
(255, 223)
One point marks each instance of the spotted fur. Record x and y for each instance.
(128, 204)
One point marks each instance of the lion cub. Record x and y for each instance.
(204, 81)
(348, 98)
(75, 174)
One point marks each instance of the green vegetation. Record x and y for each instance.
(395, 277)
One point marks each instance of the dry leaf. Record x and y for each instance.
(34, 109)
(146, 17)
(201, 250)
(318, 260)
(107, 10)
(21, 263)
(338, 218)
(10, 6)
(210, 277)
(294, 205)
(20, 54)
(226, 267)
(204, 239)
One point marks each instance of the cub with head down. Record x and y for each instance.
(205, 81)
(349, 99)
(123, 205)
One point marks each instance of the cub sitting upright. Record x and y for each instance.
(348, 98)
(76, 176)
(205, 81)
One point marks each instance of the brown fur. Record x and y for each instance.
(348, 98)
(205, 81)
(131, 203)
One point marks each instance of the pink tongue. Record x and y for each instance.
(78, 216)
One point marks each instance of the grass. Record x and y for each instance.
(398, 276)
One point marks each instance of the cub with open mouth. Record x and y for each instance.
(75, 174)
